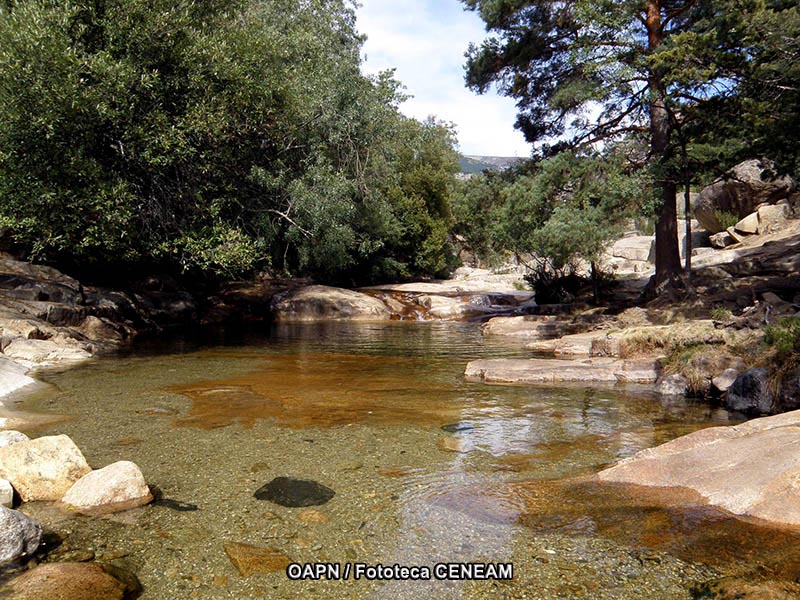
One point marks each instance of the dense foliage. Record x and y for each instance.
(222, 136)
(679, 75)
(557, 215)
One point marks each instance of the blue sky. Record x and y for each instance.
(425, 41)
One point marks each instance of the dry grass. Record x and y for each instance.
(667, 339)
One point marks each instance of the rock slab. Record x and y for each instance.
(19, 535)
(751, 469)
(546, 370)
(44, 468)
(119, 486)
(287, 491)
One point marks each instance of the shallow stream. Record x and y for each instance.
(427, 468)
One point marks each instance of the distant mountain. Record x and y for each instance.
(478, 164)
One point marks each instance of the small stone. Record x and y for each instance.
(287, 491)
(6, 494)
(7, 438)
(721, 240)
(458, 427)
(452, 444)
(119, 486)
(312, 516)
(251, 560)
(19, 535)
(748, 225)
(725, 380)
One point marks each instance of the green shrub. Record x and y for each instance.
(726, 219)
(784, 338)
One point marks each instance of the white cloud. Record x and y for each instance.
(425, 42)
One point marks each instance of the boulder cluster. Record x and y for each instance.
(52, 468)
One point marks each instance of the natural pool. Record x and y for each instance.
(427, 468)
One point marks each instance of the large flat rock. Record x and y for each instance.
(12, 376)
(324, 303)
(545, 371)
(752, 469)
(528, 327)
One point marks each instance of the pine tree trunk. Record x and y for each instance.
(668, 261)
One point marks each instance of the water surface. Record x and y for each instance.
(369, 410)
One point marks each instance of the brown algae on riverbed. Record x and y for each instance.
(519, 494)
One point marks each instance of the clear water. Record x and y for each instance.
(360, 408)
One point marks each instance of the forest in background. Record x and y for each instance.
(228, 137)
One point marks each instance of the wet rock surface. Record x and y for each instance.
(749, 469)
(287, 491)
(254, 560)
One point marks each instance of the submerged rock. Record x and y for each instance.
(459, 427)
(70, 581)
(44, 468)
(287, 491)
(450, 443)
(253, 560)
(119, 486)
(324, 303)
(19, 535)
(750, 469)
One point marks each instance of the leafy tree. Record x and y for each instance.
(221, 136)
(598, 71)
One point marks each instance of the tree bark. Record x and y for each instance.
(668, 261)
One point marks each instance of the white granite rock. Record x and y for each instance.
(119, 485)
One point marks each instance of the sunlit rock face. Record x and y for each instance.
(751, 469)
